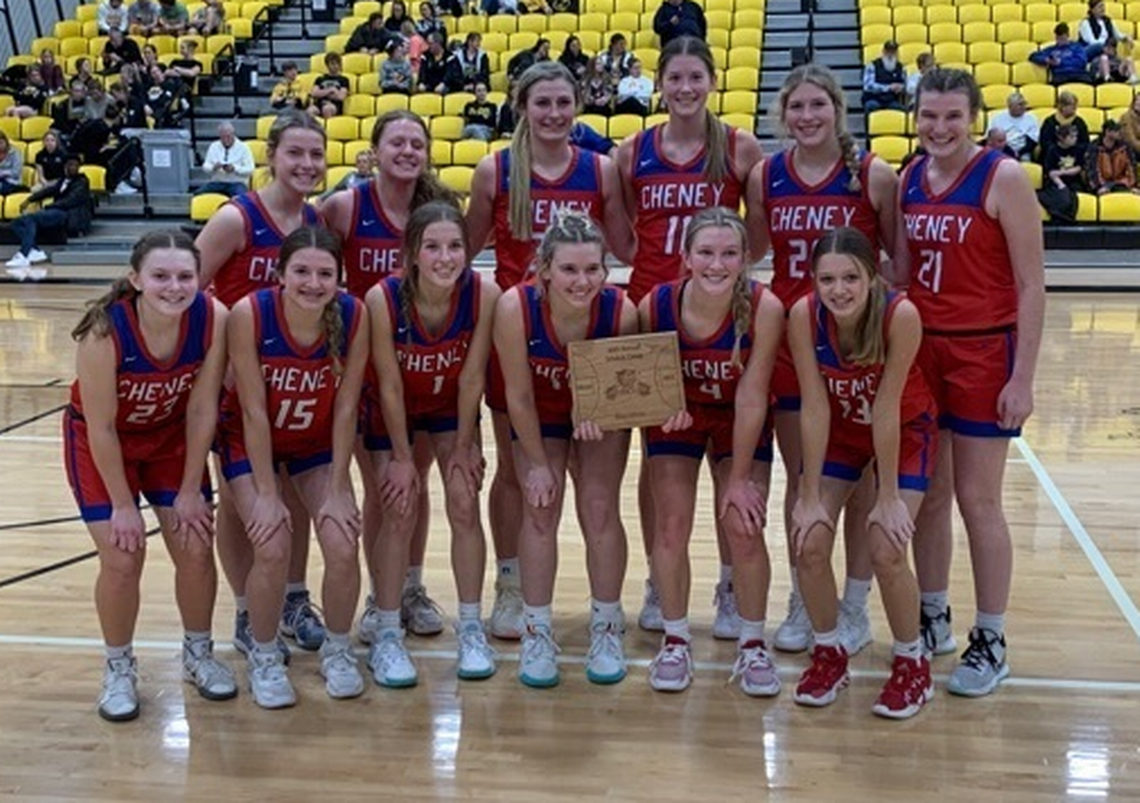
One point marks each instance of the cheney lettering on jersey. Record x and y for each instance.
(546, 210)
(431, 362)
(379, 260)
(556, 375)
(810, 217)
(290, 379)
(851, 388)
(673, 195)
(263, 269)
(925, 228)
(698, 368)
(133, 390)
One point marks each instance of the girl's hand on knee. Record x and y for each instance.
(340, 510)
(806, 516)
(588, 431)
(749, 503)
(539, 487)
(892, 517)
(269, 515)
(680, 420)
(128, 532)
(469, 463)
(193, 518)
(400, 485)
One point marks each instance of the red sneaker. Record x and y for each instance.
(908, 689)
(820, 683)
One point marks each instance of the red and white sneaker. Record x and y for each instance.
(820, 683)
(755, 671)
(672, 669)
(908, 689)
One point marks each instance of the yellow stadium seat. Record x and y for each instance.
(949, 52)
(1085, 94)
(163, 43)
(1041, 12)
(716, 37)
(748, 18)
(260, 178)
(979, 32)
(599, 7)
(741, 78)
(337, 173)
(347, 24)
(1109, 96)
(594, 121)
(342, 128)
(1034, 171)
(941, 32)
(87, 12)
(745, 122)
(369, 84)
(453, 102)
(991, 72)
(468, 152)
(1072, 13)
(637, 6)
(1094, 118)
(7, 102)
(440, 152)
(34, 128)
(1006, 13)
(978, 13)
(458, 177)
(447, 127)
(494, 41)
(891, 148)
(720, 5)
(202, 207)
(1026, 73)
(502, 23)
(1013, 32)
(351, 149)
(876, 15)
(908, 15)
(981, 52)
(911, 32)
(366, 126)
(875, 35)
(626, 21)
(887, 121)
(470, 23)
(716, 19)
(744, 57)
(426, 105)
(335, 43)
(720, 57)
(1119, 207)
(935, 14)
(264, 123)
(12, 203)
(73, 46)
(622, 125)
(523, 40)
(1132, 12)
(994, 96)
(1018, 51)
(359, 106)
(747, 37)
(90, 32)
(386, 103)
(1086, 208)
(257, 149)
(362, 8)
(738, 102)
(43, 43)
(643, 38)
(534, 23)
(570, 23)
(241, 29)
(357, 63)
(10, 127)
(1042, 96)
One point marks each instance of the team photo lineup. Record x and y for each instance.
(245, 383)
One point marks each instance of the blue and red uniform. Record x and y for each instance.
(372, 247)
(963, 284)
(255, 267)
(430, 364)
(799, 214)
(710, 379)
(851, 392)
(667, 196)
(549, 362)
(579, 189)
(151, 415)
(300, 390)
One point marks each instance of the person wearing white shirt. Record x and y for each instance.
(634, 92)
(1022, 131)
(229, 162)
(111, 14)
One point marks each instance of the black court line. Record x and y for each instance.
(27, 525)
(54, 567)
(33, 419)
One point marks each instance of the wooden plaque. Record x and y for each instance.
(625, 382)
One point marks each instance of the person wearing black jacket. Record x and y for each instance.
(71, 208)
(679, 18)
(468, 66)
(67, 116)
(433, 67)
(370, 37)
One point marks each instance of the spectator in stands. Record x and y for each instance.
(210, 19)
(143, 18)
(598, 91)
(679, 18)
(111, 16)
(430, 22)
(524, 59)
(923, 64)
(119, 50)
(229, 162)
(1130, 126)
(84, 72)
(326, 98)
(616, 59)
(49, 160)
(996, 139)
(634, 92)
(396, 71)
(369, 37)
(505, 122)
(186, 67)
(1066, 114)
(132, 108)
(555, 6)
(173, 18)
(287, 93)
(166, 100)
(479, 116)
(1110, 165)
(1066, 60)
(1096, 30)
(94, 141)
(469, 65)
(30, 100)
(884, 81)
(1022, 131)
(11, 167)
(574, 59)
(150, 60)
(52, 73)
(67, 116)
(452, 7)
(417, 45)
(432, 76)
(1110, 66)
(97, 102)
(399, 16)
(1065, 159)
(71, 207)
(365, 171)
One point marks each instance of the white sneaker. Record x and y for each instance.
(390, 663)
(419, 613)
(726, 626)
(538, 661)
(268, 680)
(368, 631)
(213, 679)
(755, 671)
(341, 671)
(36, 255)
(605, 662)
(507, 615)
(476, 658)
(672, 669)
(794, 633)
(650, 617)
(18, 260)
(119, 701)
(854, 627)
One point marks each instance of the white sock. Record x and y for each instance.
(725, 575)
(389, 622)
(537, 615)
(795, 583)
(242, 604)
(295, 588)
(126, 651)
(678, 628)
(828, 639)
(909, 649)
(414, 577)
(508, 572)
(608, 612)
(265, 648)
(195, 637)
(751, 631)
(935, 601)
(856, 591)
(993, 622)
(336, 639)
(470, 612)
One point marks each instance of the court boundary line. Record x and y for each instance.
(1100, 565)
(511, 657)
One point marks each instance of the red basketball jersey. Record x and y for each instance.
(372, 248)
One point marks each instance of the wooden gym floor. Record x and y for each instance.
(1066, 724)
